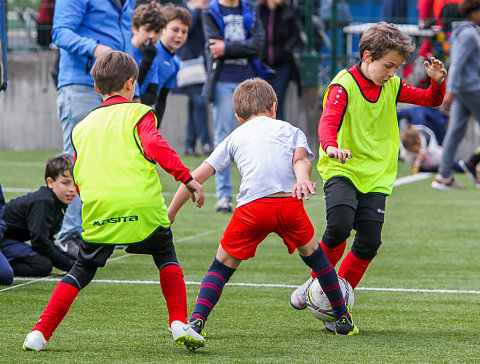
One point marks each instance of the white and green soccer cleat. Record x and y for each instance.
(298, 299)
(184, 334)
(35, 341)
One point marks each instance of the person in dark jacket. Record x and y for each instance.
(234, 37)
(6, 272)
(37, 217)
(282, 34)
(191, 53)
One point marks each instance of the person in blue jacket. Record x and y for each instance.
(84, 30)
(234, 38)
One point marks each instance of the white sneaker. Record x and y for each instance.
(35, 341)
(184, 334)
(298, 299)
(446, 183)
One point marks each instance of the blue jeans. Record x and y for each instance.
(279, 83)
(74, 103)
(223, 118)
(464, 105)
(197, 123)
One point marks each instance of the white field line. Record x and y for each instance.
(398, 182)
(265, 285)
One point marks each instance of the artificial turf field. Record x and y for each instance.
(418, 302)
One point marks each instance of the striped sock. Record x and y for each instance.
(327, 276)
(211, 289)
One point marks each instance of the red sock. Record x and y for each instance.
(175, 293)
(58, 306)
(353, 268)
(334, 254)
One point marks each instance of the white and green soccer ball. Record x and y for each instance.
(320, 305)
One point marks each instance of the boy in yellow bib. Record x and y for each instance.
(116, 149)
(359, 146)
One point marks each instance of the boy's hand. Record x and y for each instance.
(436, 71)
(149, 51)
(192, 187)
(217, 47)
(302, 189)
(340, 154)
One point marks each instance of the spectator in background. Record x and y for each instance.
(6, 271)
(395, 11)
(234, 36)
(37, 217)
(84, 30)
(463, 89)
(282, 35)
(147, 23)
(437, 12)
(190, 79)
(45, 22)
(172, 37)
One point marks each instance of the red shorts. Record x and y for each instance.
(252, 222)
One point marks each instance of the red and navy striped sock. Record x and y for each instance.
(211, 289)
(327, 276)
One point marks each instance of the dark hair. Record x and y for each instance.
(172, 12)
(467, 7)
(111, 71)
(59, 165)
(252, 97)
(149, 14)
(381, 38)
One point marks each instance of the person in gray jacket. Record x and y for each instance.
(234, 38)
(463, 89)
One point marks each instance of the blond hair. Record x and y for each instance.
(253, 97)
(381, 38)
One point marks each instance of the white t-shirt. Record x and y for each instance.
(262, 149)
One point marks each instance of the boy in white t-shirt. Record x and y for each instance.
(273, 158)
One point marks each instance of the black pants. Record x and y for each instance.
(34, 266)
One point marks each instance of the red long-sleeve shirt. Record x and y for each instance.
(154, 146)
(336, 103)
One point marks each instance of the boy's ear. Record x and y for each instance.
(129, 84)
(241, 120)
(367, 57)
(273, 110)
(96, 88)
(50, 181)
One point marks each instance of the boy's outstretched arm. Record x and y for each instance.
(302, 168)
(200, 175)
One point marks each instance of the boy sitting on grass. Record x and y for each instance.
(273, 158)
(116, 147)
(37, 217)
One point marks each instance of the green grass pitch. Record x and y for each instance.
(417, 303)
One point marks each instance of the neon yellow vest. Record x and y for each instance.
(370, 131)
(120, 189)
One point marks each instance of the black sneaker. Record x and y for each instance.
(345, 326)
(71, 243)
(469, 170)
(198, 326)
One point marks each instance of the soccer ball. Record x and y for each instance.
(320, 305)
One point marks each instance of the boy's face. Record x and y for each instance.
(383, 69)
(142, 34)
(63, 187)
(174, 35)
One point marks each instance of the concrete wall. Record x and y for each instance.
(28, 116)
